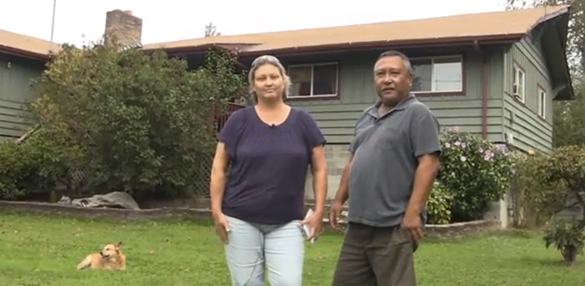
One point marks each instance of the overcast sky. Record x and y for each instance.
(170, 20)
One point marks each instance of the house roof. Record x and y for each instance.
(504, 25)
(25, 46)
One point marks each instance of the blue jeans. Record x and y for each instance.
(251, 247)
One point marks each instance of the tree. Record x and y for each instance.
(211, 30)
(141, 119)
(560, 186)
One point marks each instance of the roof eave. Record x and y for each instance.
(23, 53)
(348, 46)
(403, 44)
(567, 92)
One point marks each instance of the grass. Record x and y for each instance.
(37, 250)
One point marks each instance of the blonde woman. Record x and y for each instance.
(258, 182)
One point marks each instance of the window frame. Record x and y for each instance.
(517, 69)
(541, 102)
(313, 65)
(442, 92)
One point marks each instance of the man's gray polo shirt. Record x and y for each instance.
(385, 151)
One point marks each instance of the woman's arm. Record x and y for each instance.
(316, 143)
(319, 170)
(218, 177)
(226, 145)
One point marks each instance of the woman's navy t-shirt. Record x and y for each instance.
(268, 165)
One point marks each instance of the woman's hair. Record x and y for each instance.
(267, 60)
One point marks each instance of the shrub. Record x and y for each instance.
(33, 166)
(476, 171)
(562, 177)
(535, 200)
(11, 171)
(140, 119)
(439, 205)
(567, 237)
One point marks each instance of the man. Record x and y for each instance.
(388, 179)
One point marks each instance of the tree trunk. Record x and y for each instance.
(570, 255)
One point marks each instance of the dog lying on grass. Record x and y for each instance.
(110, 258)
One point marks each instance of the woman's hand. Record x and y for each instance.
(222, 227)
(315, 224)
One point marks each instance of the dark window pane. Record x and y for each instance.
(422, 75)
(325, 79)
(300, 78)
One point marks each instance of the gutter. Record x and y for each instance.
(248, 50)
(484, 88)
(390, 44)
(23, 54)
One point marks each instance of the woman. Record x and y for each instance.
(258, 201)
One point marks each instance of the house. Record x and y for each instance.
(22, 58)
(494, 74)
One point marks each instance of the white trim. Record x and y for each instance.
(517, 70)
(541, 102)
(312, 66)
(455, 56)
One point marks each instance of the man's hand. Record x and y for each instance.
(335, 214)
(315, 224)
(413, 224)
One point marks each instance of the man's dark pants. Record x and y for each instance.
(375, 256)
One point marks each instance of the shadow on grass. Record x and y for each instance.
(504, 233)
(544, 262)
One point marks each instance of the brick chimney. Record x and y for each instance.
(122, 28)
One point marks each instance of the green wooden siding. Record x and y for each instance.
(336, 118)
(522, 119)
(15, 91)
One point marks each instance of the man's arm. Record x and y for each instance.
(426, 172)
(343, 191)
(427, 148)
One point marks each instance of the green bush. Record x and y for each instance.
(476, 171)
(561, 176)
(12, 171)
(567, 237)
(33, 166)
(439, 205)
(140, 120)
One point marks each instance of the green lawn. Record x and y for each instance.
(44, 251)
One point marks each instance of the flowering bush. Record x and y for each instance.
(439, 205)
(475, 171)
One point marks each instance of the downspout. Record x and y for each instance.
(484, 88)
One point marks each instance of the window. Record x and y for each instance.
(440, 74)
(541, 103)
(313, 80)
(518, 83)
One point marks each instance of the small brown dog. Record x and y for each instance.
(110, 258)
